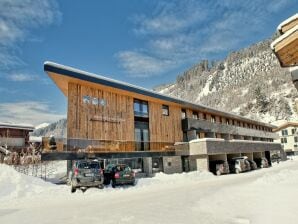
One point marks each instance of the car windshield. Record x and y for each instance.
(87, 165)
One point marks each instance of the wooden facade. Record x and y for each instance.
(102, 117)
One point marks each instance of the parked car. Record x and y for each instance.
(239, 164)
(85, 174)
(253, 164)
(275, 158)
(219, 167)
(118, 174)
(262, 162)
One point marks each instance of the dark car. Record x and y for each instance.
(262, 162)
(253, 164)
(239, 164)
(275, 158)
(219, 167)
(118, 174)
(85, 174)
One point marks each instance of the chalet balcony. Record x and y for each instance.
(94, 146)
(209, 146)
(208, 126)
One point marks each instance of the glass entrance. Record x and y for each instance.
(142, 136)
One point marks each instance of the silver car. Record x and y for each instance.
(85, 174)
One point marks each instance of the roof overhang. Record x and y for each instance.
(62, 75)
(285, 48)
(17, 126)
(288, 24)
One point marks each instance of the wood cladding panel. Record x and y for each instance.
(114, 121)
(165, 128)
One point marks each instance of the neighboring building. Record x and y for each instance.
(112, 119)
(288, 137)
(14, 135)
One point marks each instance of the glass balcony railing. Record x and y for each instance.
(93, 146)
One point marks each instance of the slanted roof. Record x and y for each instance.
(288, 24)
(285, 48)
(62, 75)
(17, 126)
(286, 125)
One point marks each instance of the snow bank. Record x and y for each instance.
(16, 185)
(174, 179)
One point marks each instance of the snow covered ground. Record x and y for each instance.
(262, 196)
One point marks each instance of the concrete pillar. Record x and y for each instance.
(202, 164)
(147, 166)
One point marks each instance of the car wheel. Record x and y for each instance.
(72, 188)
(218, 173)
(237, 171)
(83, 190)
(113, 183)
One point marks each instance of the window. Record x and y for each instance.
(296, 139)
(165, 110)
(293, 131)
(195, 115)
(183, 113)
(140, 108)
(213, 119)
(204, 116)
(227, 121)
(284, 132)
(220, 119)
(284, 140)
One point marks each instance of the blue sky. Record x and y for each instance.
(144, 42)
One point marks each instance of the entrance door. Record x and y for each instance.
(142, 136)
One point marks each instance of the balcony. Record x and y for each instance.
(97, 145)
(209, 146)
(207, 126)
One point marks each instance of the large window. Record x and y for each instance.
(165, 110)
(284, 140)
(293, 131)
(284, 132)
(195, 115)
(213, 119)
(140, 108)
(183, 113)
(296, 139)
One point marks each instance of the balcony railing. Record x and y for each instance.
(98, 145)
(208, 126)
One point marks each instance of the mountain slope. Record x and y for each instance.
(249, 82)
(58, 129)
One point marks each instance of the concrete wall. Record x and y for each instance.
(172, 164)
(147, 166)
(202, 164)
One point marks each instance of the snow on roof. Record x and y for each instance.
(16, 126)
(282, 37)
(288, 20)
(48, 65)
(35, 139)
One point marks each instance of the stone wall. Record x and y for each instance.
(172, 164)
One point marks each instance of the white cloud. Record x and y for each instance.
(142, 65)
(179, 32)
(31, 112)
(22, 77)
(17, 18)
